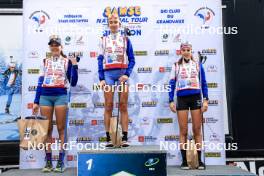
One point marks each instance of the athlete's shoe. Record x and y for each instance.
(59, 167)
(48, 167)
(184, 165)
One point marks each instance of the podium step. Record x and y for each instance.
(171, 171)
(130, 161)
(210, 171)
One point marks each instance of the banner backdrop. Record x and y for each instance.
(157, 28)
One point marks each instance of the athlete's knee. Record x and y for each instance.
(123, 107)
(109, 107)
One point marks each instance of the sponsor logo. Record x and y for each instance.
(75, 40)
(171, 156)
(83, 139)
(162, 52)
(146, 139)
(145, 121)
(214, 137)
(30, 158)
(213, 102)
(79, 40)
(34, 132)
(168, 37)
(205, 120)
(84, 71)
(152, 162)
(210, 51)
(48, 55)
(177, 38)
(141, 86)
(33, 71)
(68, 40)
(97, 122)
(71, 157)
(76, 54)
(164, 69)
(210, 120)
(76, 122)
(212, 69)
(39, 19)
(33, 54)
(78, 105)
(205, 15)
(144, 70)
(165, 120)
(128, 15)
(99, 105)
(171, 138)
(123, 11)
(140, 53)
(213, 154)
(212, 85)
(93, 54)
(102, 139)
(149, 104)
(165, 37)
(32, 88)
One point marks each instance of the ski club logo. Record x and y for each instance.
(177, 38)
(80, 40)
(165, 37)
(39, 19)
(68, 40)
(205, 15)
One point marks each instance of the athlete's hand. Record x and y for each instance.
(205, 106)
(73, 60)
(102, 84)
(173, 107)
(35, 109)
(123, 78)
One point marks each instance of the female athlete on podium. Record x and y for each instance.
(115, 64)
(51, 95)
(188, 77)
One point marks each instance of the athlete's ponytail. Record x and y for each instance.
(62, 54)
